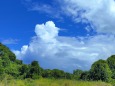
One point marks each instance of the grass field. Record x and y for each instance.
(51, 82)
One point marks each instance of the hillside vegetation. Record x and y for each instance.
(12, 68)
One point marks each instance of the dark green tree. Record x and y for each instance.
(19, 62)
(56, 73)
(111, 63)
(68, 76)
(35, 70)
(85, 75)
(24, 69)
(77, 74)
(12, 57)
(47, 73)
(100, 71)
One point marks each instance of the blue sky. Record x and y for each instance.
(17, 19)
(59, 33)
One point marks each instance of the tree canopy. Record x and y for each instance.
(100, 71)
(111, 63)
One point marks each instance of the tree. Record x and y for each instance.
(84, 75)
(100, 71)
(77, 73)
(24, 69)
(13, 70)
(58, 73)
(1, 53)
(68, 76)
(47, 73)
(19, 62)
(5, 61)
(35, 63)
(12, 57)
(35, 70)
(111, 63)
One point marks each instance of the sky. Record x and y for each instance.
(59, 34)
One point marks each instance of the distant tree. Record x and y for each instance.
(35, 70)
(84, 75)
(77, 74)
(24, 69)
(56, 73)
(35, 63)
(100, 71)
(68, 76)
(111, 63)
(47, 73)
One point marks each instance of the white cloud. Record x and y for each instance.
(67, 53)
(99, 13)
(51, 10)
(10, 41)
(42, 8)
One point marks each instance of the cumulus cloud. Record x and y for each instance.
(67, 53)
(99, 13)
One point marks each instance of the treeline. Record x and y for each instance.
(10, 66)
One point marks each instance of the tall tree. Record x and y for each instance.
(100, 71)
(35, 70)
(111, 63)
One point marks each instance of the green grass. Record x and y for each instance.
(51, 82)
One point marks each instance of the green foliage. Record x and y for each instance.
(1, 67)
(35, 68)
(112, 81)
(47, 73)
(13, 70)
(18, 61)
(77, 74)
(5, 51)
(100, 71)
(12, 57)
(35, 64)
(36, 76)
(58, 73)
(111, 63)
(85, 75)
(24, 69)
(69, 76)
(7, 62)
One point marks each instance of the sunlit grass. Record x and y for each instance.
(51, 82)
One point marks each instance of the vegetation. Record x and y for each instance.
(111, 63)
(51, 82)
(100, 71)
(11, 68)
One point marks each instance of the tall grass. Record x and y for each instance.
(51, 82)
